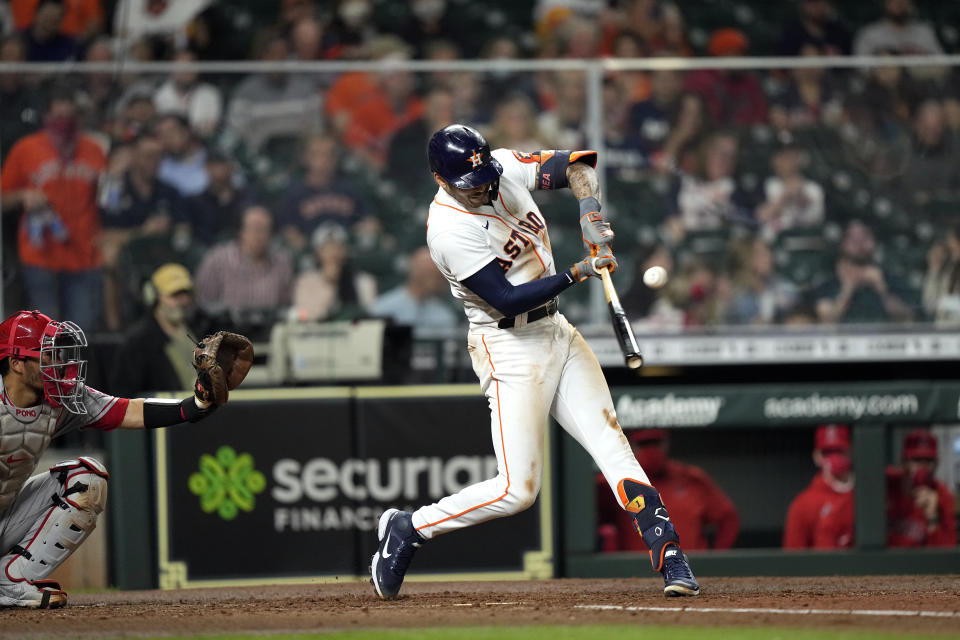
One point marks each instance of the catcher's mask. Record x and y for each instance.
(58, 346)
(62, 365)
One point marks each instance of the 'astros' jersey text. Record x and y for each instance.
(511, 231)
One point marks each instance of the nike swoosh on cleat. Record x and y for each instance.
(384, 554)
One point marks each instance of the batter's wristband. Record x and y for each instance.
(589, 205)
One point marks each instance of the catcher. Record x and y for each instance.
(45, 517)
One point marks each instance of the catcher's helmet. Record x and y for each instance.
(58, 346)
(461, 156)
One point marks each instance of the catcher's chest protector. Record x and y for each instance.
(24, 435)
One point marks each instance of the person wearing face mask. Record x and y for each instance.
(821, 516)
(51, 177)
(705, 514)
(157, 351)
(920, 508)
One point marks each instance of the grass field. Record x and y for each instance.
(582, 633)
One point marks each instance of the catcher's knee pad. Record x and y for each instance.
(69, 521)
(650, 518)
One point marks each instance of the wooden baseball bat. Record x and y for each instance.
(621, 324)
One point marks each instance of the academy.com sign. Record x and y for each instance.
(668, 411)
(853, 407)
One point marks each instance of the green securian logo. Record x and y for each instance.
(227, 483)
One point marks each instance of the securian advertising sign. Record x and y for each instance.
(291, 489)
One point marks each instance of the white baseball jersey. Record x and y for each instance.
(511, 231)
(25, 433)
(527, 372)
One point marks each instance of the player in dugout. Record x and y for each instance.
(920, 508)
(45, 517)
(706, 515)
(489, 239)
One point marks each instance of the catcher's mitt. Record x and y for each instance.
(222, 361)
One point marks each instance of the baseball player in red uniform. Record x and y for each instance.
(705, 507)
(489, 239)
(45, 517)
(821, 516)
(920, 509)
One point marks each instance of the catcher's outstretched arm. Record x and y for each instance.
(152, 413)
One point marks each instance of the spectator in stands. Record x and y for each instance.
(821, 516)
(135, 115)
(760, 296)
(21, 107)
(941, 284)
(702, 292)
(246, 274)
(134, 203)
(791, 200)
(97, 91)
(320, 196)
(51, 177)
(157, 350)
(271, 104)
(514, 125)
(932, 172)
(306, 40)
(809, 97)
(709, 519)
(421, 301)
(333, 288)
(352, 28)
(406, 147)
(660, 26)
(429, 20)
(184, 95)
(633, 86)
(565, 125)
(859, 290)
(82, 19)
(495, 84)
(44, 38)
(391, 104)
(215, 214)
(652, 310)
(897, 32)
(732, 96)
(816, 24)
(709, 199)
(158, 23)
(183, 166)
(920, 508)
(669, 122)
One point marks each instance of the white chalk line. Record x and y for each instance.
(843, 612)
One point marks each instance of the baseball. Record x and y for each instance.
(655, 277)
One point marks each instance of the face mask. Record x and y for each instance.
(62, 129)
(652, 459)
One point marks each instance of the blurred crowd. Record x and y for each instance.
(795, 197)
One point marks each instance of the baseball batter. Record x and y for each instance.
(45, 517)
(489, 239)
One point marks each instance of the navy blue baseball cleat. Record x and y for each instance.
(678, 579)
(398, 542)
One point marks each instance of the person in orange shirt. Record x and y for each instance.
(51, 177)
(821, 516)
(920, 508)
(82, 19)
(705, 515)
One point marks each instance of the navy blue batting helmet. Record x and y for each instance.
(461, 156)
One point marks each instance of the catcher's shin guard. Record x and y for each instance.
(650, 518)
(69, 521)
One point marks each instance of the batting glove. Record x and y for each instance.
(596, 230)
(592, 266)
